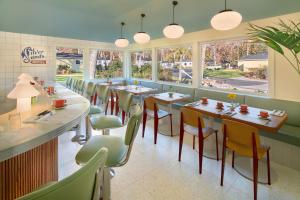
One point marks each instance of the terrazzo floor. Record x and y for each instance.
(153, 172)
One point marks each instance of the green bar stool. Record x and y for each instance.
(119, 148)
(81, 87)
(81, 185)
(74, 85)
(67, 83)
(102, 94)
(124, 100)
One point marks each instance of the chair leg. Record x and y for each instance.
(106, 108)
(232, 163)
(112, 105)
(144, 123)
(123, 116)
(194, 138)
(95, 99)
(223, 163)
(269, 168)
(255, 174)
(171, 124)
(155, 129)
(217, 145)
(181, 134)
(200, 144)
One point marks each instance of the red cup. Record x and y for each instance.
(264, 114)
(59, 103)
(204, 100)
(220, 105)
(244, 107)
(50, 90)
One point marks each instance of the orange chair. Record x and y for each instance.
(151, 109)
(244, 140)
(192, 122)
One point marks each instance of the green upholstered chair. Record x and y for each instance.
(90, 94)
(124, 100)
(290, 131)
(82, 185)
(102, 94)
(81, 87)
(68, 82)
(119, 147)
(74, 85)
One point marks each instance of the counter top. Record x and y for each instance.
(31, 135)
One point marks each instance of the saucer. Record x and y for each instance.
(59, 108)
(244, 111)
(260, 117)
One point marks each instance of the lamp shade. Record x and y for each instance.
(23, 90)
(226, 20)
(121, 42)
(26, 81)
(141, 38)
(25, 76)
(173, 31)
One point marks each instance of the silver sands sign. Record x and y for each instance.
(33, 56)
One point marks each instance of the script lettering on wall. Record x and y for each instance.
(34, 56)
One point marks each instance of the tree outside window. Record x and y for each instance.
(141, 64)
(175, 64)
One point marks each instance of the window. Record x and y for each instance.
(235, 65)
(175, 64)
(69, 63)
(141, 64)
(106, 64)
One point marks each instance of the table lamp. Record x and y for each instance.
(23, 93)
(26, 78)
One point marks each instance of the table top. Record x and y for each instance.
(110, 84)
(165, 98)
(271, 124)
(136, 90)
(35, 133)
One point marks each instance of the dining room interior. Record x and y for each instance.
(149, 100)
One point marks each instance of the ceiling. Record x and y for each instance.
(99, 20)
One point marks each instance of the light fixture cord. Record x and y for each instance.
(173, 14)
(122, 30)
(225, 4)
(142, 24)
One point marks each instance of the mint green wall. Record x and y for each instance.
(99, 19)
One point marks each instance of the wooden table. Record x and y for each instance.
(272, 124)
(136, 90)
(164, 98)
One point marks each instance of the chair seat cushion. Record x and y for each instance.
(95, 110)
(115, 145)
(207, 131)
(160, 113)
(245, 150)
(105, 122)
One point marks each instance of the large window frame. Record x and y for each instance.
(157, 48)
(270, 69)
(152, 66)
(92, 68)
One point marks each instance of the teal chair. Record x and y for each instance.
(81, 87)
(82, 185)
(119, 147)
(74, 85)
(68, 82)
(124, 101)
(102, 95)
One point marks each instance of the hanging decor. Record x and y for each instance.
(141, 37)
(173, 30)
(226, 19)
(122, 42)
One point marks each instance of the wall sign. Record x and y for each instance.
(33, 56)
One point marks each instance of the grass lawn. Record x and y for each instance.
(223, 73)
(63, 77)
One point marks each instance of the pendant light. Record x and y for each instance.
(173, 30)
(122, 42)
(226, 19)
(141, 37)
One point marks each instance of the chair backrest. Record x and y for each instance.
(150, 103)
(78, 84)
(82, 86)
(125, 99)
(191, 117)
(240, 133)
(69, 85)
(102, 92)
(67, 81)
(131, 131)
(90, 89)
(78, 186)
(74, 85)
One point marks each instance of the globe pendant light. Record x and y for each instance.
(173, 30)
(226, 19)
(122, 42)
(141, 37)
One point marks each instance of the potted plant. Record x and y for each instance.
(171, 91)
(283, 38)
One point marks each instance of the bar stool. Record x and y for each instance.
(81, 87)
(192, 122)
(74, 85)
(102, 94)
(119, 148)
(244, 140)
(151, 109)
(81, 185)
(124, 100)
